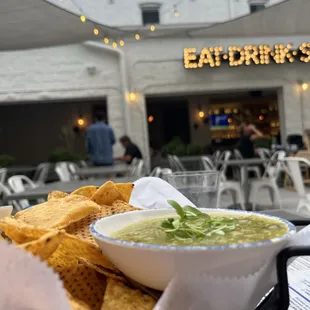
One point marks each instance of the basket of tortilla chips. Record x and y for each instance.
(57, 231)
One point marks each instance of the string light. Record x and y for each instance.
(96, 31)
(106, 40)
(83, 18)
(121, 43)
(137, 36)
(152, 28)
(150, 119)
(114, 44)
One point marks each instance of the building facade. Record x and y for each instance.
(45, 91)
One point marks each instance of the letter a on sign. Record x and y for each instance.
(206, 57)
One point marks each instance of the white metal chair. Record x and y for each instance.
(160, 172)
(175, 163)
(3, 173)
(62, 171)
(269, 179)
(208, 163)
(215, 157)
(233, 188)
(137, 168)
(254, 169)
(18, 184)
(292, 167)
(83, 163)
(73, 169)
(4, 192)
(41, 173)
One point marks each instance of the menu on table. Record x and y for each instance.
(299, 283)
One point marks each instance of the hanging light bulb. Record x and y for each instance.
(121, 43)
(137, 36)
(152, 28)
(96, 31)
(83, 18)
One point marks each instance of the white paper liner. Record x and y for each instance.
(28, 283)
(201, 291)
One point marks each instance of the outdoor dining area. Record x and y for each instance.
(220, 180)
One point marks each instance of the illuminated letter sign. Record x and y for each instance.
(245, 55)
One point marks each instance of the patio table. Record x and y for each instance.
(68, 187)
(103, 171)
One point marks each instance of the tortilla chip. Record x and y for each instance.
(58, 213)
(86, 191)
(56, 195)
(125, 189)
(103, 270)
(120, 297)
(20, 232)
(83, 249)
(80, 229)
(85, 286)
(119, 206)
(107, 194)
(77, 304)
(44, 246)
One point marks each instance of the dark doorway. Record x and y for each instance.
(100, 108)
(168, 118)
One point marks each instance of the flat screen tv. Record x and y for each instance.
(219, 122)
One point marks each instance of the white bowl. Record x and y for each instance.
(155, 265)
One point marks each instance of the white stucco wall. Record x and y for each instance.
(61, 73)
(154, 69)
(128, 12)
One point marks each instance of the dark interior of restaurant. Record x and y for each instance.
(218, 113)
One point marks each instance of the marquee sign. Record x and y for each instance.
(245, 55)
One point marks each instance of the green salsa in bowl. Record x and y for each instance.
(151, 246)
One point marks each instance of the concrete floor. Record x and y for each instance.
(289, 200)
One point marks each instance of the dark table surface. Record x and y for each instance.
(103, 170)
(68, 187)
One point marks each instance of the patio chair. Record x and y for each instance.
(83, 163)
(73, 169)
(41, 173)
(292, 167)
(215, 157)
(4, 192)
(62, 171)
(18, 184)
(175, 163)
(233, 188)
(254, 169)
(3, 173)
(208, 163)
(269, 179)
(137, 168)
(160, 172)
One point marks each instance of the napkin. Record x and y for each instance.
(153, 193)
(192, 290)
(27, 283)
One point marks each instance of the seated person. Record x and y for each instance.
(131, 150)
(305, 153)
